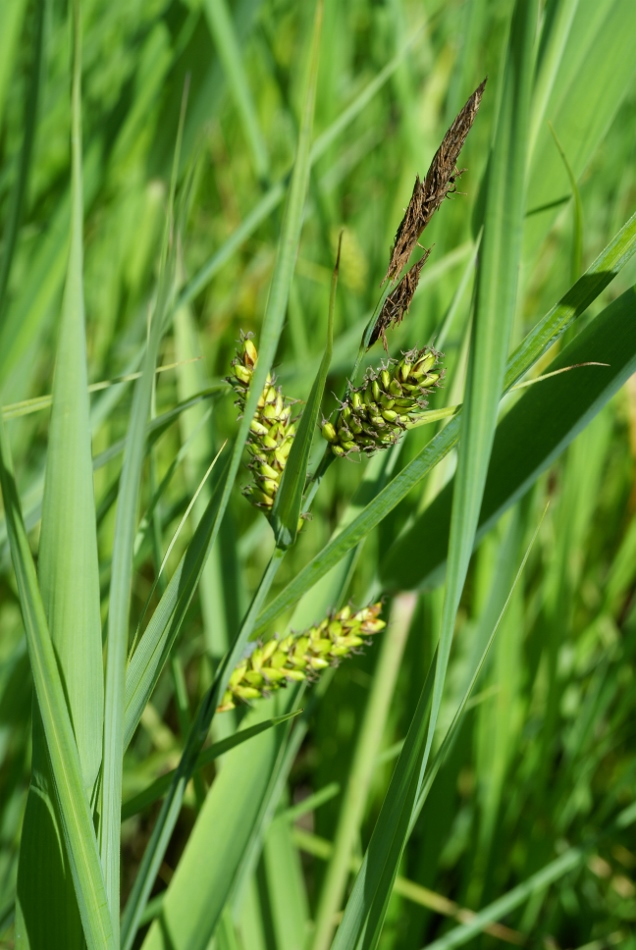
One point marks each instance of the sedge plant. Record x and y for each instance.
(280, 666)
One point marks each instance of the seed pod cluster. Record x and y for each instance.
(390, 399)
(300, 656)
(272, 429)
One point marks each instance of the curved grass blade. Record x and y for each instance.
(607, 265)
(69, 581)
(74, 811)
(289, 497)
(535, 431)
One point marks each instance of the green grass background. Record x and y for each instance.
(180, 175)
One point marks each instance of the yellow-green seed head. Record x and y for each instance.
(389, 400)
(299, 656)
(271, 430)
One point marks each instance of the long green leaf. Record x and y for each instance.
(69, 581)
(13, 13)
(221, 25)
(200, 888)
(74, 810)
(277, 192)
(591, 74)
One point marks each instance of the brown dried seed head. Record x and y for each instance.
(398, 302)
(440, 179)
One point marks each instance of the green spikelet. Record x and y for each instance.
(374, 415)
(272, 429)
(300, 656)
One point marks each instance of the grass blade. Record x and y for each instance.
(221, 26)
(69, 581)
(161, 785)
(75, 814)
(30, 121)
(199, 890)
(277, 192)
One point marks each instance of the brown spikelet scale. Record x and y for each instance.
(440, 180)
(398, 302)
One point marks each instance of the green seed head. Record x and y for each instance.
(277, 662)
(389, 400)
(271, 430)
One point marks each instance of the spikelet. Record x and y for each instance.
(272, 429)
(374, 415)
(440, 180)
(300, 656)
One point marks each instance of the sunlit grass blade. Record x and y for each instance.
(221, 584)
(152, 650)
(26, 406)
(386, 839)
(229, 53)
(588, 72)
(277, 192)
(284, 890)
(438, 759)
(69, 581)
(358, 786)
(535, 431)
(74, 810)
